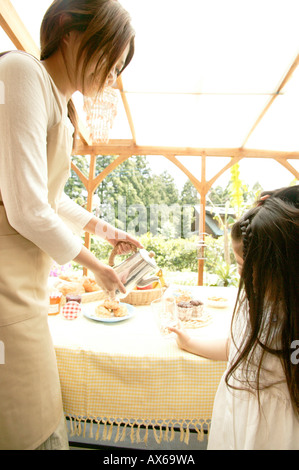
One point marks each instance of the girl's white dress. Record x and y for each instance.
(238, 422)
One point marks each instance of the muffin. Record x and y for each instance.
(121, 311)
(184, 310)
(197, 308)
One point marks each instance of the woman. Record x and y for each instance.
(85, 45)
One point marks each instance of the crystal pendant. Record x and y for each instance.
(100, 114)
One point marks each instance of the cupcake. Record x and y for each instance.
(197, 308)
(184, 310)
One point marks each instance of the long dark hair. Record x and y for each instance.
(269, 235)
(106, 31)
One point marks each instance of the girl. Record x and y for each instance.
(85, 45)
(257, 402)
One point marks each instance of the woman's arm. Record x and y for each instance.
(80, 220)
(113, 235)
(105, 276)
(210, 348)
(24, 121)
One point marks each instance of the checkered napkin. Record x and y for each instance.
(71, 310)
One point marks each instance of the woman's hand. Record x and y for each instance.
(113, 235)
(105, 276)
(123, 240)
(108, 280)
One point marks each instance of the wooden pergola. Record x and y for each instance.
(125, 148)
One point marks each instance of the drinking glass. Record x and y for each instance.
(165, 310)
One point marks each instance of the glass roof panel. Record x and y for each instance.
(278, 130)
(193, 121)
(5, 43)
(203, 71)
(211, 46)
(32, 12)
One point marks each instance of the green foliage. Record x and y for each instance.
(218, 196)
(241, 197)
(171, 254)
(225, 274)
(174, 254)
(189, 194)
(236, 189)
(180, 256)
(130, 192)
(74, 187)
(150, 207)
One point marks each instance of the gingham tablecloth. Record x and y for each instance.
(126, 374)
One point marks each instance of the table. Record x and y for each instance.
(127, 375)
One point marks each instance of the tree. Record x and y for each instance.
(131, 190)
(74, 187)
(218, 195)
(189, 194)
(133, 198)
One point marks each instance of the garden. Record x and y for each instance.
(163, 218)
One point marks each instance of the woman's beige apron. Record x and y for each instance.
(30, 396)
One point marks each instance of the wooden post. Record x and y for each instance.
(202, 217)
(90, 192)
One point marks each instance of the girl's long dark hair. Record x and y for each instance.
(105, 28)
(270, 284)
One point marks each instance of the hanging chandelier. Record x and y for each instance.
(100, 114)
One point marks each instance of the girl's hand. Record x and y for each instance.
(211, 348)
(183, 337)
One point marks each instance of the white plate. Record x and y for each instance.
(89, 312)
(223, 303)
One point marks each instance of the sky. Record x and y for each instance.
(270, 174)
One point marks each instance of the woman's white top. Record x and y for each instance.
(238, 423)
(28, 111)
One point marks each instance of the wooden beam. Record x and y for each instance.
(16, 30)
(121, 147)
(80, 175)
(283, 82)
(202, 220)
(233, 161)
(288, 166)
(92, 170)
(101, 176)
(84, 134)
(127, 109)
(92, 167)
(196, 183)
